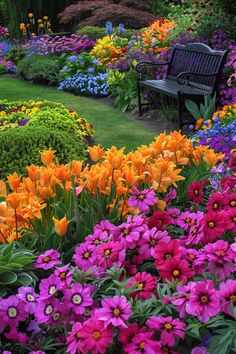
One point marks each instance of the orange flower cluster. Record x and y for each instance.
(156, 35)
(158, 165)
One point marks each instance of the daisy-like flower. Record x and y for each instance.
(146, 285)
(29, 297)
(48, 259)
(110, 253)
(150, 240)
(164, 251)
(169, 328)
(12, 311)
(97, 238)
(64, 275)
(214, 225)
(115, 311)
(173, 269)
(181, 300)
(142, 200)
(78, 298)
(204, 301)
(85, 256)
(196, 259)
(142, 343)
(230, 220)
(73, 340)
(227, 295)
(231, 201)
(159, 219)
(105, 227)
(216, 202)
(195, 192)
(174, 213)
(195, 235)
(129, 232)
(186, 220)
(95, 337)
(46, 309)
(50, 286)
(126, 334)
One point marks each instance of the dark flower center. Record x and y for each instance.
(142, 345)
(125, 231)
(96, 335)
(86, 255)
(141, 196)
(211, 224)
(63, 275)
(204, 299)
(52, 290)
(168, 255)
(107, 252)
(153, 242)
(215, 205)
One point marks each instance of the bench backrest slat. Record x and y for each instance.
(199, 58)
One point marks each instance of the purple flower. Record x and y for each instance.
(12, 310)
(78, 298)
(48, 259)
(115, 311)
(64, 275)
(23, 122)
(130, 231)
(50, 286)
(85, 256)
(46, 310)
(29, 297)
(142, 199)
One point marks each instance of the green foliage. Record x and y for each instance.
(15, 54)
(21, 146)
(94, 32)
(160, 8)
(16, 265)
(205, 110)
(40, 69)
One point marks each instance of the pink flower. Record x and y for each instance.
(195, 235)
(227, 295)
(110, 253)
(48, 259)
(174, 213)
(126, 334)
(105, 227)
(73, 340)
(85, 256)
(181, 300)
(204, 301)
(173, 269)
(16, 336)
(216, 202)
(168, 327)
(150, 240)
(115, 311)
(164, 251)
(196, 259)
(46, 310)
(142, 199)
(50, 286)
(95, 337)
(29, 298)
(170, 195)
(64, 275)
(159, 219)
(231, 201)
(146, 285)
(195, 192)
(130, 231)
(142, 343)
(230, 220)
(78, 297)
(214, 225)
(12, 311)
(186, 220)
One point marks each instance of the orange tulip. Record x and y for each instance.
(47, 157)
(14, 181)
(33, 172)
(14, 200)
(76, 167)
(3, 189)
(61, 226)
(115, 157)
(96, 152)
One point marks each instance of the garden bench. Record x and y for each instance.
(192, 71)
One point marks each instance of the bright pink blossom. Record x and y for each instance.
(142, 200)
(173, 269)
(115, 311)
(146, 285)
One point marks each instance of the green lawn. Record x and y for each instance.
(112, 127)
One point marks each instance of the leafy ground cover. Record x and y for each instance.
(111, 126)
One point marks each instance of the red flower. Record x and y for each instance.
(166, 251)
(232, 161)
(216, 202)
(214, 225)
(173, 269)
(195, 192)
(159, 219)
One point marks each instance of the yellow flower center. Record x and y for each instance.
(211, 224)
(126, 231)
(46, 259)
(107, 252)
(12, 312)
(116, 312)
(141, 196)
(86, 255)
(168, 326)
(233, 298)
(30, 297)
(96, 335)
(63, 275)
(48, 310)
(140, 286)
(191, 256)
(97, 241)
(204, 299)
(52, 289)
(215, 205)
(233, 203)
(142, 345)
(187, 295)
(175, 272)
(153, 242)
(196, 191)
(234, 219)
(77, 299)
(221, 253)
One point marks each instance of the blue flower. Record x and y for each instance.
(90, 70)
(72, 58)
(121, 28)
(109, 28)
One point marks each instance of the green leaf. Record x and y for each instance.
(8, 278)
(193, 109)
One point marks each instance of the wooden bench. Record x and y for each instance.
(192, 71)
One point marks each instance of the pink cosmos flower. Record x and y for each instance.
(195, 192)
(142, 200)
(142, 343)
(169, 328)
(105, 227)
(164, 251)
(181, 300)
(195, 235)
(187, 220)
(115, 311)
(126, 334)
(48, 260)
(12, 311)
(78, 298)
(73, 340)
(170, 195)
(50, 286)
(174, 213)
(204, 301)
(64, 275)
(95, 337)
(231, 201)
(85, 256)
(216, 202)
(146, 285)
(227, 295)
(97, 238)
(29, 298)
(200, 350)
(214, 225)
(110, 253)
(37, 352)
(173, 269)
(196, 259)
(151, 238)
(130, 231)
(159, 219)
(230, 220)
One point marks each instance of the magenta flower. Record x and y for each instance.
(48, 260)
(12, 311)
(110, 253)
(146, 285)
(78, 298)
(126, 334)
(130, 231)
(142, 343)
(97, 238)
(168, 327)
(37, 352)
(227, 295)
(105, 227)
(95, 337)
(186, 220)
(195, 235)
(16, 336)
(214, 225)
(216, 202)
(204, 301)
(165, 251)
(151, 238)
(115, 311)
(170, 195)
(29, 298)
(50, 286)
(195, 191)
(73, 340)
(85, 256)
(142, 200)
(174, 213)
(174, 269)
(181, 300)
(64, 275)
(47, 309)
(230, 220)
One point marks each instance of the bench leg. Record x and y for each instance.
(139, 100)
(180, 110)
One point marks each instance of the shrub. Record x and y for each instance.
(39, 69)
(21, 146)
(95, 32)
(15, 54)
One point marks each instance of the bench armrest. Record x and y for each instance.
(188, 74)
(141, 68)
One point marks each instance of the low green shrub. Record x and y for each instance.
(20, 147)
(40, 69)
(94, 32)
(15, 54)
